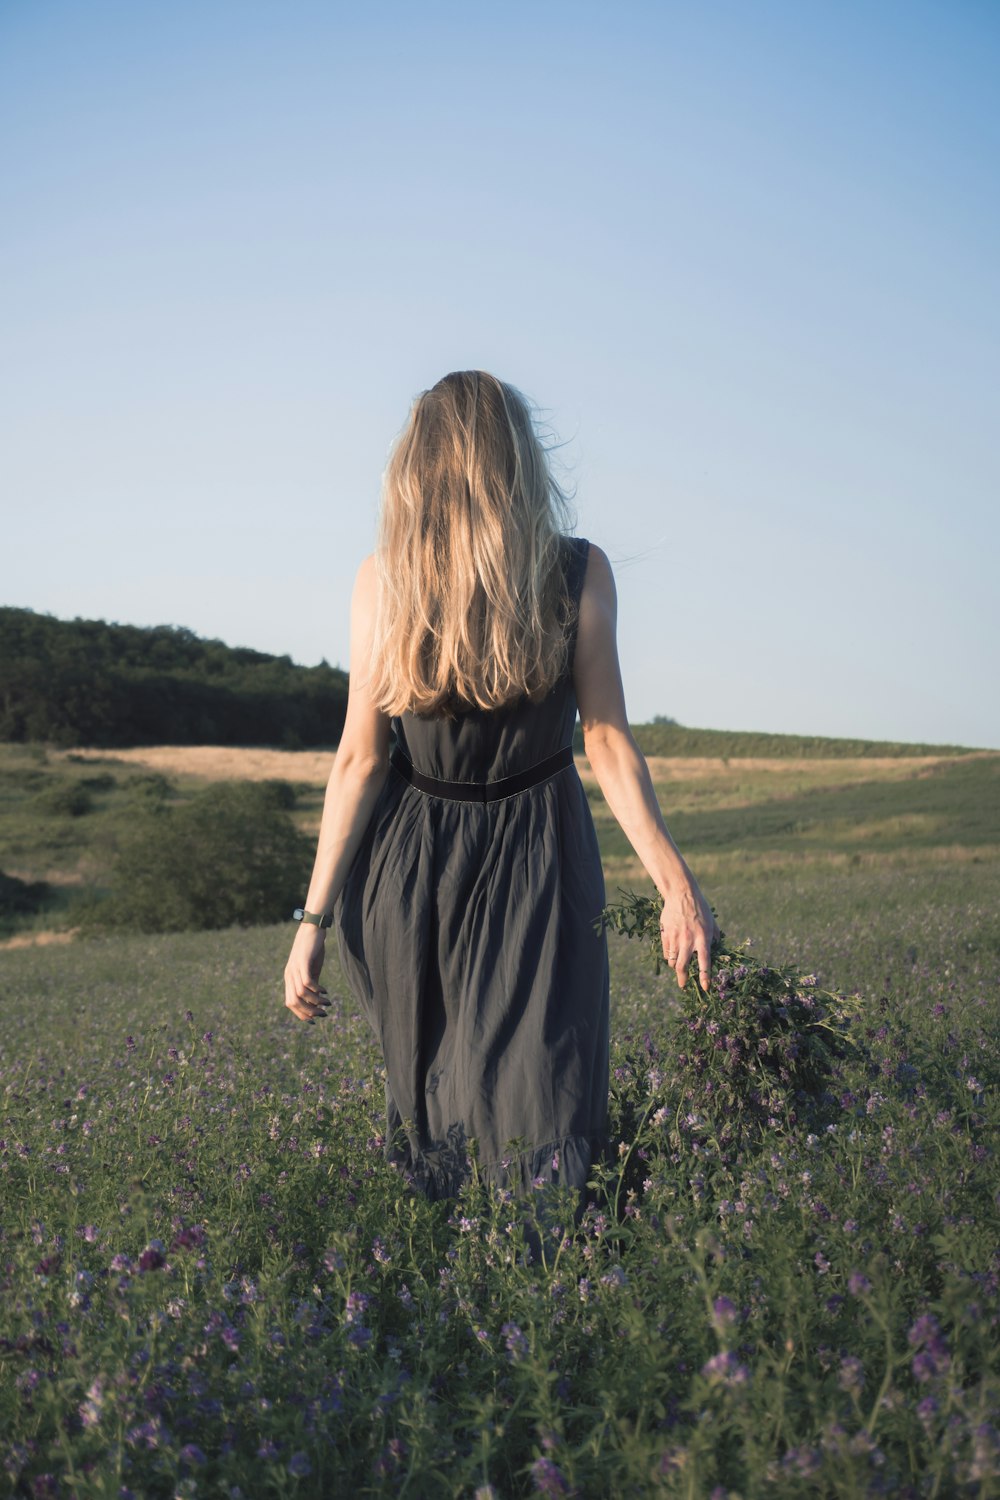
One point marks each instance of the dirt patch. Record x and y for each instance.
(222, 762)
(39, 939)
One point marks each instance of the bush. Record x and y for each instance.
(282, 792)
(65, 799)
(229, 857)
(102, 782)
(150, 786)
(21, 898)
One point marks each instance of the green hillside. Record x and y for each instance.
(87, 682)
(673, 739)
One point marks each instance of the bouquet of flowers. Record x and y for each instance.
(757, 1051)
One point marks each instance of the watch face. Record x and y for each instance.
(298, 914)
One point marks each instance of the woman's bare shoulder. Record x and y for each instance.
(366, 579)
(599, 579)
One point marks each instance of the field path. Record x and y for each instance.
(237, 763)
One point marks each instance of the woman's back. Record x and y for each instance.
(467, 932)
(487, 745)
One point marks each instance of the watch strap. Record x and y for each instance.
(318, 919)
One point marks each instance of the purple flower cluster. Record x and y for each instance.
(931, 1357)
(516, 1343)
(725, 1369)
(154, 1257)
(548, 1478)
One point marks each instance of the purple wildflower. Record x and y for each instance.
(390, 1458)
(90, 1410)
(150, 1435)
(925, 1366)
(355, 1304)
(548, 1478)
(189, 1238)
(723, 1313)
(153, 1258)
(517, 1344)
(725, 1369)
(927, 1409)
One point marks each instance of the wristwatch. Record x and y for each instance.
(301, 915)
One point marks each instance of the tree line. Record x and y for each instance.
(87, 682)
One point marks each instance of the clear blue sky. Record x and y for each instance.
(746, 257)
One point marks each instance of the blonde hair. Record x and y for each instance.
(472, 608)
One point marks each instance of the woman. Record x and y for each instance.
(462, 866)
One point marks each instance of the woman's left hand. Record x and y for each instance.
(304, 995)
(688, 929)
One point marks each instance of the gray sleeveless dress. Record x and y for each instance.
(466, 933)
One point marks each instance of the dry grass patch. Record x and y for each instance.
(856, 768)
(220, 762)
(39, 939)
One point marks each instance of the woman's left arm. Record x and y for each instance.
(357, 778)
(687, 925)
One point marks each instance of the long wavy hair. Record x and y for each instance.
(472, 608)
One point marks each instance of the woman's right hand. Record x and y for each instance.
(687, 930)
(304, 995)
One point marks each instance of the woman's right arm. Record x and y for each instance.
(687, 925)
(357, 778)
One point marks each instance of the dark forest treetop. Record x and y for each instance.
(87, 682)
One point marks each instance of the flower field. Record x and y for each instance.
(786, 1282)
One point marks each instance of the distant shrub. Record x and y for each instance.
(229, 857)
(150, 786)
(283, 792)
(65, 799)
(21, 898)
(102, 782)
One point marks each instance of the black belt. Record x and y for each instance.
(480, 791)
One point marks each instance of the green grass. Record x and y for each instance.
(673, 739)
(470, 1368)
(761, 817)
(814, 1314)
(728, 819)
